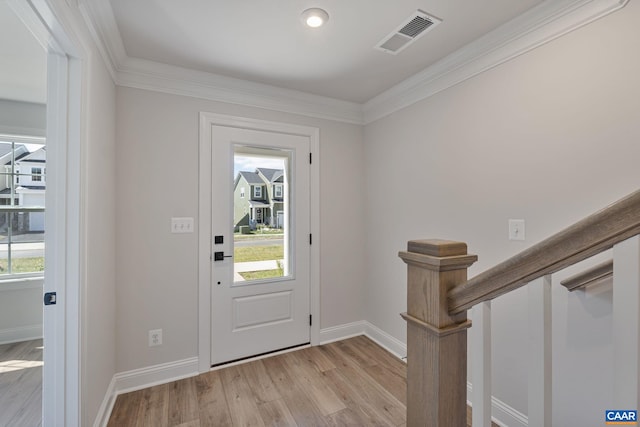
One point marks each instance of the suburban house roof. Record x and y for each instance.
(38, 156)
(270, 174)
(251, 177)
(5, 153)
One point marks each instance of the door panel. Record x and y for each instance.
(260, 284)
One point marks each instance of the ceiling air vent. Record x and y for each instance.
(408, 32)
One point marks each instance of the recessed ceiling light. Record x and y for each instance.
(314, 17)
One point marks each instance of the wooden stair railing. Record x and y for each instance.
(439, 295)
(595, 274)
(592, 235)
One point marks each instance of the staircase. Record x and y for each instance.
(439, 296)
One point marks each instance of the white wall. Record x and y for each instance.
(22, 118)
(99, 300)
(550, 137)
(157, 271)
(20, 310)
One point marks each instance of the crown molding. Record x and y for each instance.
(541, 24)
(143, 74)
(101, 23)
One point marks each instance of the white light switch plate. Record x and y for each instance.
(182, 225)
(516, 229)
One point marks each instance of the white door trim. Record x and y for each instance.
(63, 239)
(207, 120)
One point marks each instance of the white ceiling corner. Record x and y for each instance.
(538, 26)
(102, 25)
(541, 24)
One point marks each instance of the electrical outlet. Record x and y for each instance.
(516, 229)
(155, 337)
(182, 225)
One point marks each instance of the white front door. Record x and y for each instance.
(260, 277)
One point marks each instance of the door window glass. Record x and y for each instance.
(261, 223)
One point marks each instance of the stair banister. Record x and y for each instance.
(592, 235)
(433, 335)
(438, 297)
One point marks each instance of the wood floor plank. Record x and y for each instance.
(183, 402)
(356, 401)
(361, 357)
(21, 383)
(276, 413)
(317, 358)
(154, 406)
(312, 382)
(214, 411)
(385, 404)
(303, 410)
(350, 383)
(347, 418)
(126, 410)
(381, 356)
(261, 385)
(242, 406)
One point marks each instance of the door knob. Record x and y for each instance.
(220, 256)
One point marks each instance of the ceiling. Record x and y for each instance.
(266, 42)
(23, 61)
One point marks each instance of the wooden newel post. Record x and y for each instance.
(436, 341)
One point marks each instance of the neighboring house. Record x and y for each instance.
(259, 198)
(7, 156)
(10, 157)
(31, 188)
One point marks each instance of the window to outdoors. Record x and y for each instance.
(22, 195)
(277, 191)
(261, 235)
(242, 192)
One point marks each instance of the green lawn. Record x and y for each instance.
(23, 265)
(258, 253)
(257, 275)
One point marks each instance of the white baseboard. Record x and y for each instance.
(362, 327)
(23, 333)
(388, 342)
(139, 379)
(342, 332)
(102, 419)
(501, 413)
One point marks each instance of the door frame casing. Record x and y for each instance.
(207, 120)
(64, 219)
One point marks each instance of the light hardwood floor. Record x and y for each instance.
(21, 384)
(347, 383)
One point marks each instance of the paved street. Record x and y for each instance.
(23, 250)
(265, 242)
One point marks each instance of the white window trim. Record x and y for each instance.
(257, 191)
(277, 188)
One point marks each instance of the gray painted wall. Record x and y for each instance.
(550, 137)
(157, 270)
